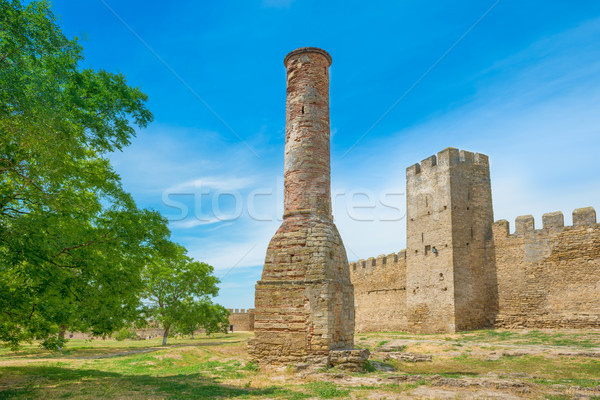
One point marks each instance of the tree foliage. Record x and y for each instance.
(72, 242)
(190, 319)
(75, 251)
(177, 287)
(203, 315)
(215, 319)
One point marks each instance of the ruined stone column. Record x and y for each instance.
(304, 302)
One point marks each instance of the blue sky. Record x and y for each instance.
(522, 87)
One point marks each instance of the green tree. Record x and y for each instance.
(190, 319)
(196, 315)
(174, 284)
(72, 242)
(215, 319)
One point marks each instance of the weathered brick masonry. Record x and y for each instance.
(549, 277)
(241, 320)
(380, 293)
(304, 305)
(461, 271)
(449, 225)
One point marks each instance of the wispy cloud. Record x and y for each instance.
(538, 122)
(212, 182)
(192, 223)
(535, 113)
(223, 255)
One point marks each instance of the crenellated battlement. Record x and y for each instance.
(447, 158)
(548, 277)
(380, 292)
(551, 222)
(240, 311)
(456, 275)
(380, 261)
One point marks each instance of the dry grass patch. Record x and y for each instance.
(212, 368)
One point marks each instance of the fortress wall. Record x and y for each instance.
(380, 293)
(549, 277)
(449, 243)
(472, 241)
(242, 320)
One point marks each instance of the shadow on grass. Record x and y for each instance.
(56, 382)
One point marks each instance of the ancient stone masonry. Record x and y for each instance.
(449, 231)
(304, 305)
(460, 271)
(380, 293)
(241, 320)
(549, 277)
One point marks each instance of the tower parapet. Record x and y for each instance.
(552, 221)
(449, 234)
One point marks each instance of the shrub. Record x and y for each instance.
(125, 334)
(54, 343)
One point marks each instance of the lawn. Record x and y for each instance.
(480, 364)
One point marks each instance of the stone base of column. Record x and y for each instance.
(304, 303)
(294, 323)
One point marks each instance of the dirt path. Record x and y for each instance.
(25, 359)
(146, 350)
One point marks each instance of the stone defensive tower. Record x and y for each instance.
(449, 257)
(304, 304)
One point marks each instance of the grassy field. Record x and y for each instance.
(480, 364)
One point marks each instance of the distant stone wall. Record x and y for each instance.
(380, 293)
(241, 319)
(549, 277)
(546, 278)
(147, 333)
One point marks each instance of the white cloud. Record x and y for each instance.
(538, 122)
(192, 223)
(242, 244)
(212, 182)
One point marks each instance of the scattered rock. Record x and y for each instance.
(582, 354)
(408, 357)
(387, 349)
(513, 354)
(300, 367)
(382, 367)
(349, 359)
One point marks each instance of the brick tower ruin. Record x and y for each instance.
(304, 302)
(449, 252)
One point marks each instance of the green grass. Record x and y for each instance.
(99, 348)
(326, 390)
(583, 340)
(61, 382)
(569, 382)
(207, 368)
(405, 387)
(566, 368)
(197, 370)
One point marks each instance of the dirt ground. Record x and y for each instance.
(490, 364)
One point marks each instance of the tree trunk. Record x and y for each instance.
(166, 335)
(63, 330)
(192, 335)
